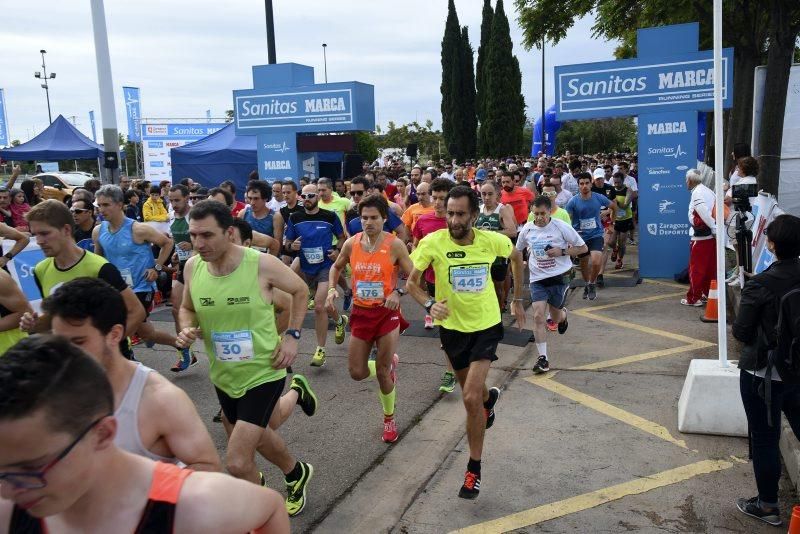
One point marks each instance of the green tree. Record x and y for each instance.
(597, 136)
(504, 115)
(451, 58)
(366, 145)
(429, 141)
(483, 51)
(466, 116)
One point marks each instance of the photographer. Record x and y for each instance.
(755, 327)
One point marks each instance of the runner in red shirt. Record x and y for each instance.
(519, 198)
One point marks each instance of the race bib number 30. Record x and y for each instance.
(233, 346)
(469, 279)
(369, 291)
(313, 255)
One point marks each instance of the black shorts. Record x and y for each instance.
(463, 348)
(595, 243)
(179, 276)
(146, 298)
(624, 226)
(255, 406)
(499, 270)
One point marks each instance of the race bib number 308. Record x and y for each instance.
(469, 279)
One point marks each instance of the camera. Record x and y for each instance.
(742, 192)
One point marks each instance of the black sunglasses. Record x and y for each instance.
(78, 210)
(308, 195)
(357, 193)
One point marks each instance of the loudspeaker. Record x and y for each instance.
(411, 150)
(351, 166)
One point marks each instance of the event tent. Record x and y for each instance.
(60, 141)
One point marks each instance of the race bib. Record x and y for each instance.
(369, 291)
(233, 346)
(183, 255)
(469, 279)
(126, 275)
(621, 213)
(539, 252)
(314, 255)
(588, 224)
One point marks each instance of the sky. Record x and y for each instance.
(187, 56)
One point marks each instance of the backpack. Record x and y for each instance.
(784, 353)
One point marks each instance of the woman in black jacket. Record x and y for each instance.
(755, 327)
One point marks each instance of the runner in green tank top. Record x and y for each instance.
(227, 302)
(497, 218)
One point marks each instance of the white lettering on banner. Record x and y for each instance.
(273, 107)
(316, 105)
(279, 165)
(685, 78)
(661, 128)
(614, 85)
(659, 229)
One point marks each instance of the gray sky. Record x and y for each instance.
(187, 56)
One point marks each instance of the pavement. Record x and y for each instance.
(592, 446)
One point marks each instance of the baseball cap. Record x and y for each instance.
(599, 173)
(480, 175)
(527, 165)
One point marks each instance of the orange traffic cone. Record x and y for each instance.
(794, 522)
(712, 306)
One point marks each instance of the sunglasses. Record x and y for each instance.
(357, 193)
(78, 210)
(306, 196)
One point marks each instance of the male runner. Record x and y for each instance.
(311, 232)
(179, 228)
(465, 307)
(289, 188)
(392, 224)
(600, 186)
(330, 201)
(256, 213)
(428, 224)
(519, 198)
(423, 206)
(61, 471)
(52, 225)
(128, 245)
(156, 419)
(374, 256)
(550, 242)
(623, 218)
(85, 221)
(227, 302)
(584, 210)
(497, 218)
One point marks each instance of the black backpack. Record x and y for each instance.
(784, 350)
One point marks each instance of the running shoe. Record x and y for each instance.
(696, 304)
(186, 359)
(306, 398)
(600, 281)
(542, 366)
(348, 300)
(373, 354)
(591, 294)
(752, 507)
(135, 340)
(551, 325)
(319, 357)
(296, 490)
(563, 325)
(393, 368)
(618, 265)
(448, 383)
(471, 487)
(310, 303)
(428, 322)
(262, 480)
(494, 394)
(389, 429)
(340, 326)
(613, 254)
(586, 292)
(218, 418)
(631, 241)
(149, 344)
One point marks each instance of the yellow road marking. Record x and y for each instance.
(592, 499)
(641, 357)
(651, 298)
(605, 408)
(640, 328)
(664, 283)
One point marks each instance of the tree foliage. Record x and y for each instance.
(429, 141)
(597, 136)
(451, 58)
(466, 138)
(483, 51)
(366, 145)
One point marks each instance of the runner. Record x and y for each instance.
(392, 224)
(85, 221)
(329, 201)
(228, 302)
(427, 224)
(519, 198)
(156, 419)
(52, 225)
(179, 230)
(13, 305)
(61, 471)
(423, 206)
(374, 256)
(623, 218)
(127, 244)
(584, 210)
(289, 188)
(550, 242)
(312, 232)
(497, 218)
(465, 307)
(256, 213)
(601, 187)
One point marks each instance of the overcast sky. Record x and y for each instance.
(187, 56)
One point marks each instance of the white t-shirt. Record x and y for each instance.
(569, 183)
(557, 234)
(275, 205)
(630, 183)
(563, 197)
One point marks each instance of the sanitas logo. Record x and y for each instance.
(667, 151)
(662, 128)
(278, 148)
(272, 107)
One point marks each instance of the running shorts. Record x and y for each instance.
(499, 270)
(369, 324)
(255, 406)
(146, 298)
(463, 348)
(624, 226)
(595, 244)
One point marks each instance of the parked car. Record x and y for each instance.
(60, 185)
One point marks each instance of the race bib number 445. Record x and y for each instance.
(233, 346)
(469, 279)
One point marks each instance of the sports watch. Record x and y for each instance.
(428, 305)
(293, 332)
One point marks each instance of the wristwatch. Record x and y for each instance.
(400, 291)
(564, 252)
(158, 267)
(428, 305)
(293, 332)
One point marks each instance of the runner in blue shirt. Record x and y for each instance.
(584, 211)
(311, 232)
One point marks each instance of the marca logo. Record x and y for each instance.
(652, 228)
(282, 164)
(206, 301)
(232, 301)
(663, 207)
(156, 129)
(663, 128)
(173, 144)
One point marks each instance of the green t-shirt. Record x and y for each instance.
(463, 276)
(180, 234)
(560, 213)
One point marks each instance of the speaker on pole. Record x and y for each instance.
(411, 150)
(351, 166)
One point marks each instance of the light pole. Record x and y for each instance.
(325, 60)
(43, 76)
(544, 118)
(270, 32)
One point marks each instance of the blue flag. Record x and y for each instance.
(91, 121)
(134, 112)
(4, 140)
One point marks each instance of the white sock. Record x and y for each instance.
(542, 348)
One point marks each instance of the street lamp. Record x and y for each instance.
(43, 76)
(325, 60)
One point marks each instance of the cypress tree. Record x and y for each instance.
(469, 122)
(451, 44)
(504, 111)
(483, 51)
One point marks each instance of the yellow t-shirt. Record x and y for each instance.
(463, 276)
(560, 213)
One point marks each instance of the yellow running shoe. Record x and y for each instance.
(296, 490)
(340, 326)
(319, 357)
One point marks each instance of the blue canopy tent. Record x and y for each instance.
(60, 141)
(551, 128)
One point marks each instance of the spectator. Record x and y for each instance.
(19, 207)
(32, 190)
(230, 187)
(132, 205)
(154, 209)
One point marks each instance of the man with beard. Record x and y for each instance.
(519, 198)
(466, 309)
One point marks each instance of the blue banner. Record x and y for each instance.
(134, 112)
(637, 86)
(94, 130)
(4, 140)
(277, 157)
(667, 149)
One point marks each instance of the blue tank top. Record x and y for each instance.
(132, 259)
(264, 225)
